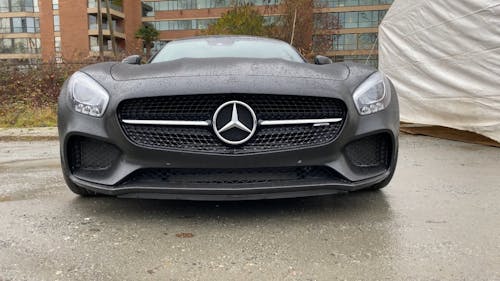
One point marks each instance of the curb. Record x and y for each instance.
(29, 134)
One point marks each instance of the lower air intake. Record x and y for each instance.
(86, 155)
(371, 153)
(233, 177)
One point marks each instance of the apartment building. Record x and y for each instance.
(64, 29)
(183, 18)
(20, 30)
(67, 29)
(351, 26)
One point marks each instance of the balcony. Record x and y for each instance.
(19, 45)
(105, 27)
(16, 8)
(113, 5)
(106, 33)
(115, 10)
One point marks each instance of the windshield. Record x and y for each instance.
(228, 47)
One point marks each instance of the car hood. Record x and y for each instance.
(228, 75)
(228, 67)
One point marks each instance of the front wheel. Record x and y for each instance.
(77, 189)
(381, 184)
(387, 180)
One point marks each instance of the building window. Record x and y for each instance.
(57, 24)
(114, 4)
(361, 19)
(19, 25)
(57, 44)
(345, 42)
(5, 25)
(369, 60)
(157, 46)
(183, 24)
(18, 5)
(349, 3)
(270, 20)
(149, 7)
(94, 44)
(367, 41)
(4, 6)
(55, 4)
(20, 46)
(93, 24)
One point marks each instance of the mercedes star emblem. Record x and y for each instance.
(234, 122)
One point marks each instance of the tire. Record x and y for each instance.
(387, 180)
(77, 189)
(381, 184)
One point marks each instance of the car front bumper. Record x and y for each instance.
(256, 192)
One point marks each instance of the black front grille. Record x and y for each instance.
(230, 177)
(202, 108)
(87, 155)
(371, 153)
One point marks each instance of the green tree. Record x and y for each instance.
(148, 34)
(240, 20)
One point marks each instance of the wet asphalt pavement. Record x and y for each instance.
(438, 220)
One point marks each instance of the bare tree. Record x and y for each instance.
(111, 28)
(295, 24)
(100, 39)
(299, 25)
(326, 26)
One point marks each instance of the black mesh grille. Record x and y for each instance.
(204, 177)
(202, 107)
(370, 153)
(89, 155)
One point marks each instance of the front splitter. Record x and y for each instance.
(229, 194)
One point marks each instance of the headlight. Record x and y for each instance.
(87, 95)
(373, 95)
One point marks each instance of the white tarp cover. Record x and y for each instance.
(443, 57)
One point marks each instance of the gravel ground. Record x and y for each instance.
(438, 220)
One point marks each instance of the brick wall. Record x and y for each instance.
(74, 29)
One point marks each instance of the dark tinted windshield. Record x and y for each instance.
(227, 47)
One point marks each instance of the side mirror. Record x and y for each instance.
(134, 59)
(321, 60)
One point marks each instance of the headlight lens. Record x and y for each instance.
(373, 95)
(87, 95)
